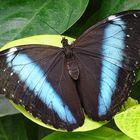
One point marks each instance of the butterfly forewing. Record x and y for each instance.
(109, 53)
(37, 79)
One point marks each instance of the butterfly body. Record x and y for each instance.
(92, 76)
(71, 63)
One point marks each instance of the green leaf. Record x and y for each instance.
(138, 75)
(9, 130)
(17, 127)
(6, 108)
(103, 133)
(128, 104)
(42, 132)
(129, 122)
(31, 17)
(109, 7)
(34, 131)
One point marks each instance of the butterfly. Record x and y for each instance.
(91, 76)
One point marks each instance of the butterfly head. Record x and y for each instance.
(67, 48)
(64, 42)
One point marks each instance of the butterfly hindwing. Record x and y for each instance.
(110, 52)
(89, 80)
(37, 79)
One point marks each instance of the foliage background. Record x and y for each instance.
(22, 18)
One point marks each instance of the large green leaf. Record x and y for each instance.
(17, 127)
(109, 7)
(9, 130)
(103, 133)
(6, 108)
(129, 122)
(31, 17)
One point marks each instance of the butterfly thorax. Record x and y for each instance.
(71, 62)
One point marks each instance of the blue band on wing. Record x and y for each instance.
(112, 49)
(36, 80)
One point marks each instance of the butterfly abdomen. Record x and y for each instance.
(73, 68)
(71, 62)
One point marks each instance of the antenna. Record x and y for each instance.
(52, 28)
(63, 38)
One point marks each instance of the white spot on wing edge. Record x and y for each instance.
(128, 35)
(11, 74)
(111, 17)
(11, 51)
(135, 15)
(4, 89)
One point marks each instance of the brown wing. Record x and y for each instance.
(35, 77)
(108, 54)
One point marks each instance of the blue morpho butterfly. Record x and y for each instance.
(93, 75)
